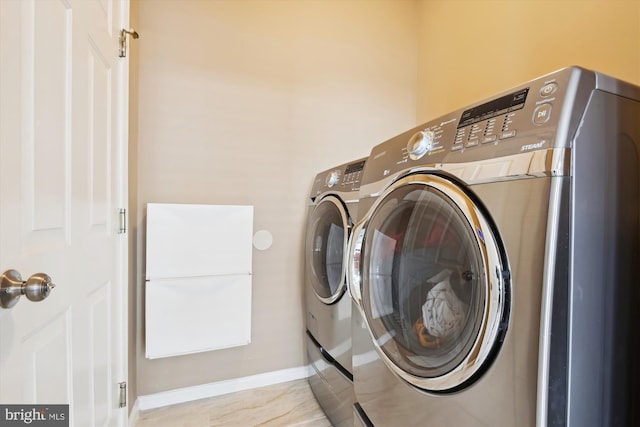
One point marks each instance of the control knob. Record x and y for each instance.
(333, 178)
(420, 143)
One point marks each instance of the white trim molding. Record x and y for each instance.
(134, 415)
(188, 394)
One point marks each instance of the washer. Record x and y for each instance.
(495, 269)
(332, 212)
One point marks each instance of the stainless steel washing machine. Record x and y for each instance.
(333, 207)
(495, 269)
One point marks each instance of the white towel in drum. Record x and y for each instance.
(443, 313)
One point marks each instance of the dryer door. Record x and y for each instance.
(434, 282)
(327, 235)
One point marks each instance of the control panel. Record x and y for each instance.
(522, 119)
(344, 178)
(489, 122)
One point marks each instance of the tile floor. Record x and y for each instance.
(288, 404)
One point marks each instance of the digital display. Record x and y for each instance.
(502, 105)
(354, 167)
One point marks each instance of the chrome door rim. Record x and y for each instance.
(345, 221)
(497, 287)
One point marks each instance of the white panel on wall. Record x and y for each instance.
(198, 240)
(197, 314)
(198, 289)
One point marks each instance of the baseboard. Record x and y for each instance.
(188, 394)
(134, 414)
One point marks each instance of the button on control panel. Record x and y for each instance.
(489, 139)
(508, 134)
(542, 113)
(548, 89)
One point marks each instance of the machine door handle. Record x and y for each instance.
(35, 288)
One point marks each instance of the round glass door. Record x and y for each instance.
(434, 291)
(327, 236)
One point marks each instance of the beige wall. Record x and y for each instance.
(242, 102)
(471, 49)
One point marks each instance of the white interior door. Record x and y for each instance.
(62, 181)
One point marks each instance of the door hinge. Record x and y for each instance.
(122, 214)
(123, 395)
(123, 40)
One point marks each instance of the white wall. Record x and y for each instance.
(242, 102)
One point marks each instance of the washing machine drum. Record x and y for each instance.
(435, 287)
(326, 240)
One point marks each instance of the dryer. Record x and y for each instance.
(333, 204)
(494, 271)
